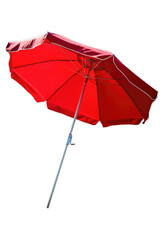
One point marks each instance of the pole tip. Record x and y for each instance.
(48, 204)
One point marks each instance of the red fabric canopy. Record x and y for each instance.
(52, 68)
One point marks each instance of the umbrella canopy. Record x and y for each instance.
(88, 84)
(53, 68)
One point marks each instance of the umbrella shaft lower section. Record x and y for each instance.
(68, 142)
(50, 198)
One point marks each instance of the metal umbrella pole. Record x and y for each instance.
(69, 140)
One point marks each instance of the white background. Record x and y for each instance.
(109, 186)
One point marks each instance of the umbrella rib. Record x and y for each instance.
(83, 54)
(108, 73)
(85, 63)
(102, 78)
(132, 83)
(83, 66)
(95, 66)
(64, 83)
(101, 81)
(126, 93)
(98, 97)
(58, 60)
(92, 80)
(104, 82)
(98, 64)
(74, 71)
(72, 61)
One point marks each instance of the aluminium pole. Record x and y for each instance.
(69, 136)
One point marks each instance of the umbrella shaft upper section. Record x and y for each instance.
(81, 96)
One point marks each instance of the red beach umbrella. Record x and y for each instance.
(82, 82)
